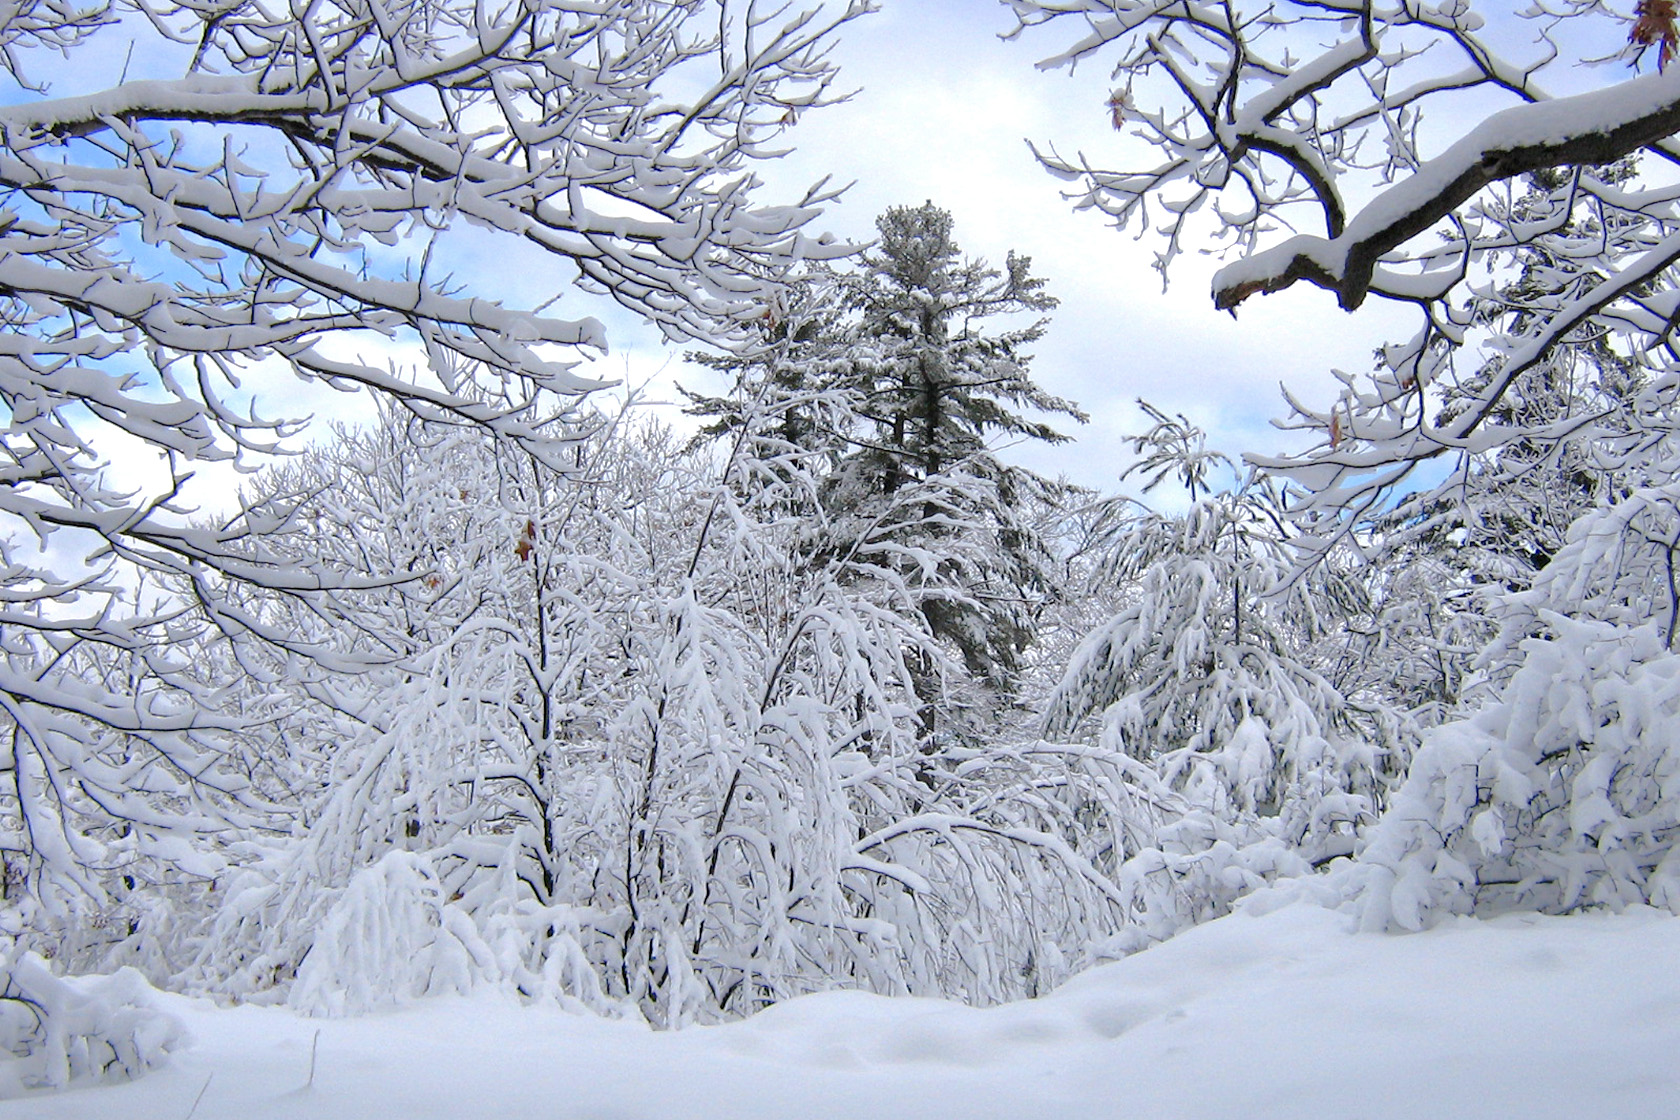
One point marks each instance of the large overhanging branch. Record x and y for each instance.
(1590, 128)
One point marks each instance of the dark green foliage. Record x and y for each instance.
(936, 388)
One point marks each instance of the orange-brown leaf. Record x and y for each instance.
(1654, 22)
(1117, 102)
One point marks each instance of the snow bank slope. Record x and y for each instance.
(1281, 1015)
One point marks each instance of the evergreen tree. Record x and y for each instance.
(934, 390)
(888, 374)
(937, 387)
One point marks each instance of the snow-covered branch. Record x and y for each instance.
(1591, 128)
(1526, 230)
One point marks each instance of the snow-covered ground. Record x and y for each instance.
(1285, 1014)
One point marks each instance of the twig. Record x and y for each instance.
(201, 1090)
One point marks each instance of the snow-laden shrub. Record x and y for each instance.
(1227, 756)
(57, 1030)
(1199, 871)
(392, 935)
(400, 931)
(1174, 861)
(659, 750)
(1563, 794)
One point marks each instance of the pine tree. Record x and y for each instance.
(937, 386)
(934, 391)
(887, 371)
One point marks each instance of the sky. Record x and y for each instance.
(943, 112)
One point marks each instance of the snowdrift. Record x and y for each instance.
(1287, 1013)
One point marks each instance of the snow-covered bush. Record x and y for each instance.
(392, 935)
(1227, 756)
(1171, 862)
(56, 1030)
(1563, 794)
(643, 752)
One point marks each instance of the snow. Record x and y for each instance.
(1286, 1013)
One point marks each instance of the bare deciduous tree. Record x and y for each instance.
(291, 205)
